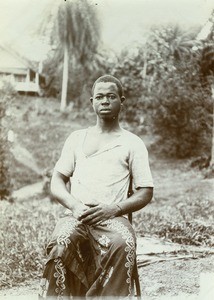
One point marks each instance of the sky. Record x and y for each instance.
(122, 21)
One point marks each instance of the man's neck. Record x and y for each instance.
(107, 125)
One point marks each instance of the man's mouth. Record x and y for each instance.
(105, 109)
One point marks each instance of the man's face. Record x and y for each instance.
(106, 100)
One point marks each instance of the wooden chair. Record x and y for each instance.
(135, 275)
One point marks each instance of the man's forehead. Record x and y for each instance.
(105, 86)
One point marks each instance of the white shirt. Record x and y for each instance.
(105, 175)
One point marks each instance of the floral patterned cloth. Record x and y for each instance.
(89, 261)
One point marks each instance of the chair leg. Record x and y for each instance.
(136, 280)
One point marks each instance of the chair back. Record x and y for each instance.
(130, 192)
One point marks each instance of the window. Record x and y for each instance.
(20, 78)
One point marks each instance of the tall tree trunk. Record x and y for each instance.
(64, 79)
(212, 150)
(145, 64)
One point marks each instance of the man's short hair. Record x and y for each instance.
(109, 78)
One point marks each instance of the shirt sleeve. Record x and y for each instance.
(66, 163)
(139, 166)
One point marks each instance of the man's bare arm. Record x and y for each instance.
(60, 191)
(104, 212)
(137, 201)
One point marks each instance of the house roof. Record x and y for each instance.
(207, 30)
(10, 60)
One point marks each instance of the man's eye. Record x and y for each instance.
(98, 97)
(112, 97)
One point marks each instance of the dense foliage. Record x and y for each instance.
(182, 116)
(164, 83)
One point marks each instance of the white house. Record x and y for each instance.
(24, 75)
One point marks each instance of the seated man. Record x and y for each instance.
(92, 250)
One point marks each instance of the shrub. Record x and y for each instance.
(162, 80)
(182, 117)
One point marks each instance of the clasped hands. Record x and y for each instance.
(94, 213)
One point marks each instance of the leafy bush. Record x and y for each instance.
(129, 69)
(162, 80)
(7, 88)
(182, 117)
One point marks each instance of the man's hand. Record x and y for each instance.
(99, 213)
(79, 209)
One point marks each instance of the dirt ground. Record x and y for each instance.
(176, 279)
(165, 279)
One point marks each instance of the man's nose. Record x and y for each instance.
(105, 100)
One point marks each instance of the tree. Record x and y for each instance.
(181, 108)
(163, 80)
(207, 67)
(207, 64)
(75, 36)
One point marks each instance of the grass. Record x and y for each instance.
(181, 211)
(179, 225)
(25, 228)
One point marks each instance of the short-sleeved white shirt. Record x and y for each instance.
(105, 175)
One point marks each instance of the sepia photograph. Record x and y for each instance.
(106, 149)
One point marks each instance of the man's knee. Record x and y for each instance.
(124, 245)
(67, 231)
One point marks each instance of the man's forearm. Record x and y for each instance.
(137, 201)
(60, 192)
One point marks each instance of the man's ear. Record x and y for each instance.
(91, 99)
(122, 99)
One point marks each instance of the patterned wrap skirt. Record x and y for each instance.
(89, 261)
